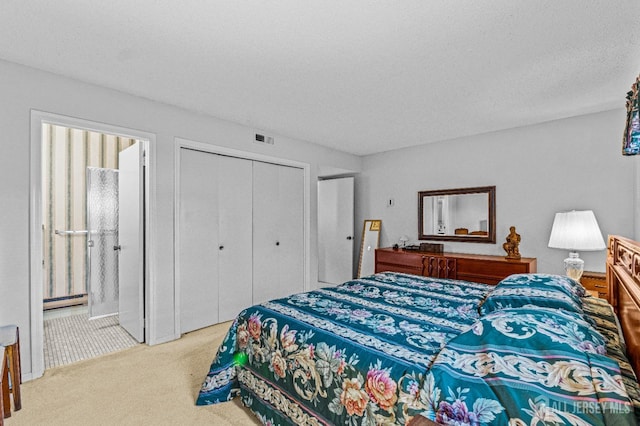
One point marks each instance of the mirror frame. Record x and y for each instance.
(374, 225)
(491, 215)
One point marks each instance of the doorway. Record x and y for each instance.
(335, 230)
(90, 151)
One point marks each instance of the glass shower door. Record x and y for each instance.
(102, 241)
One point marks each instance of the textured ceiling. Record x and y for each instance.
(359, 76)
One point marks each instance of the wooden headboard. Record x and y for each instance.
(623, 278)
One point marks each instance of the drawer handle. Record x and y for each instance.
(600, 286)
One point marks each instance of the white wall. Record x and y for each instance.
(23, 89)
(538, 170)
(574, 163)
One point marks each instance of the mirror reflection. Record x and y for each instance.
(465, 214)
(370, 242)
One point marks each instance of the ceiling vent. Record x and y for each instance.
(264, 139)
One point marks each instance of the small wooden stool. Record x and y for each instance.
(10, 339)
(5, 407)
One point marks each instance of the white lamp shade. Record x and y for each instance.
(576, 231)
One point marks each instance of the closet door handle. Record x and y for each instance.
(221, 247)
(116, 248)
(349, 238)
(277, 243)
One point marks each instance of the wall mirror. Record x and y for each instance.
(370, 241)
(463, 214)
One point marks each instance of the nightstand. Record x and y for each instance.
(595, 282)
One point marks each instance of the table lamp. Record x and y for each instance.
(576, 231)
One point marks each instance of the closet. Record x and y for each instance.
(240, 235)
(278, 252)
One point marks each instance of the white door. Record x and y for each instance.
(278, 234)
(214, 238)
(335, 230)
(198, 247)
(234, 220)
(291, 230)
(131, 240)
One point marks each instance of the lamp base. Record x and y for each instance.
(574, 266)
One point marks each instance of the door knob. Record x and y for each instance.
(349, 237)
(277, 243)
(117, 248)
(221, 247)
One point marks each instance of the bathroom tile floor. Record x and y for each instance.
(69, 336)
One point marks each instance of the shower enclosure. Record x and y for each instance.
(102, 241)
(80, 175)
(101, 276)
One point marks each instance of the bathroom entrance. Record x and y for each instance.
(92, 205)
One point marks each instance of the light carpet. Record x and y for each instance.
(144, 385)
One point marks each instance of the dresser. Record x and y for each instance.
(478, 268)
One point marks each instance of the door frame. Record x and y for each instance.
(38, 118)
(180, 143)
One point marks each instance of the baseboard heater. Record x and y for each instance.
(65, 301)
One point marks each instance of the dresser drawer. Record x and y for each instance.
(596, 282)
(492, 271)
(389, 267)
(398, 261)
(413, 260)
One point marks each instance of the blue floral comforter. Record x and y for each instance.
(361, 354)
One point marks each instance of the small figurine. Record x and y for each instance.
(511, 246)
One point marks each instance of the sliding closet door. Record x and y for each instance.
(235, 236)
(198, 240)
(214, 238)
(278, 250)
(291, 226)
(240, 235)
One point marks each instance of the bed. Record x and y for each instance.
(402, 349)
